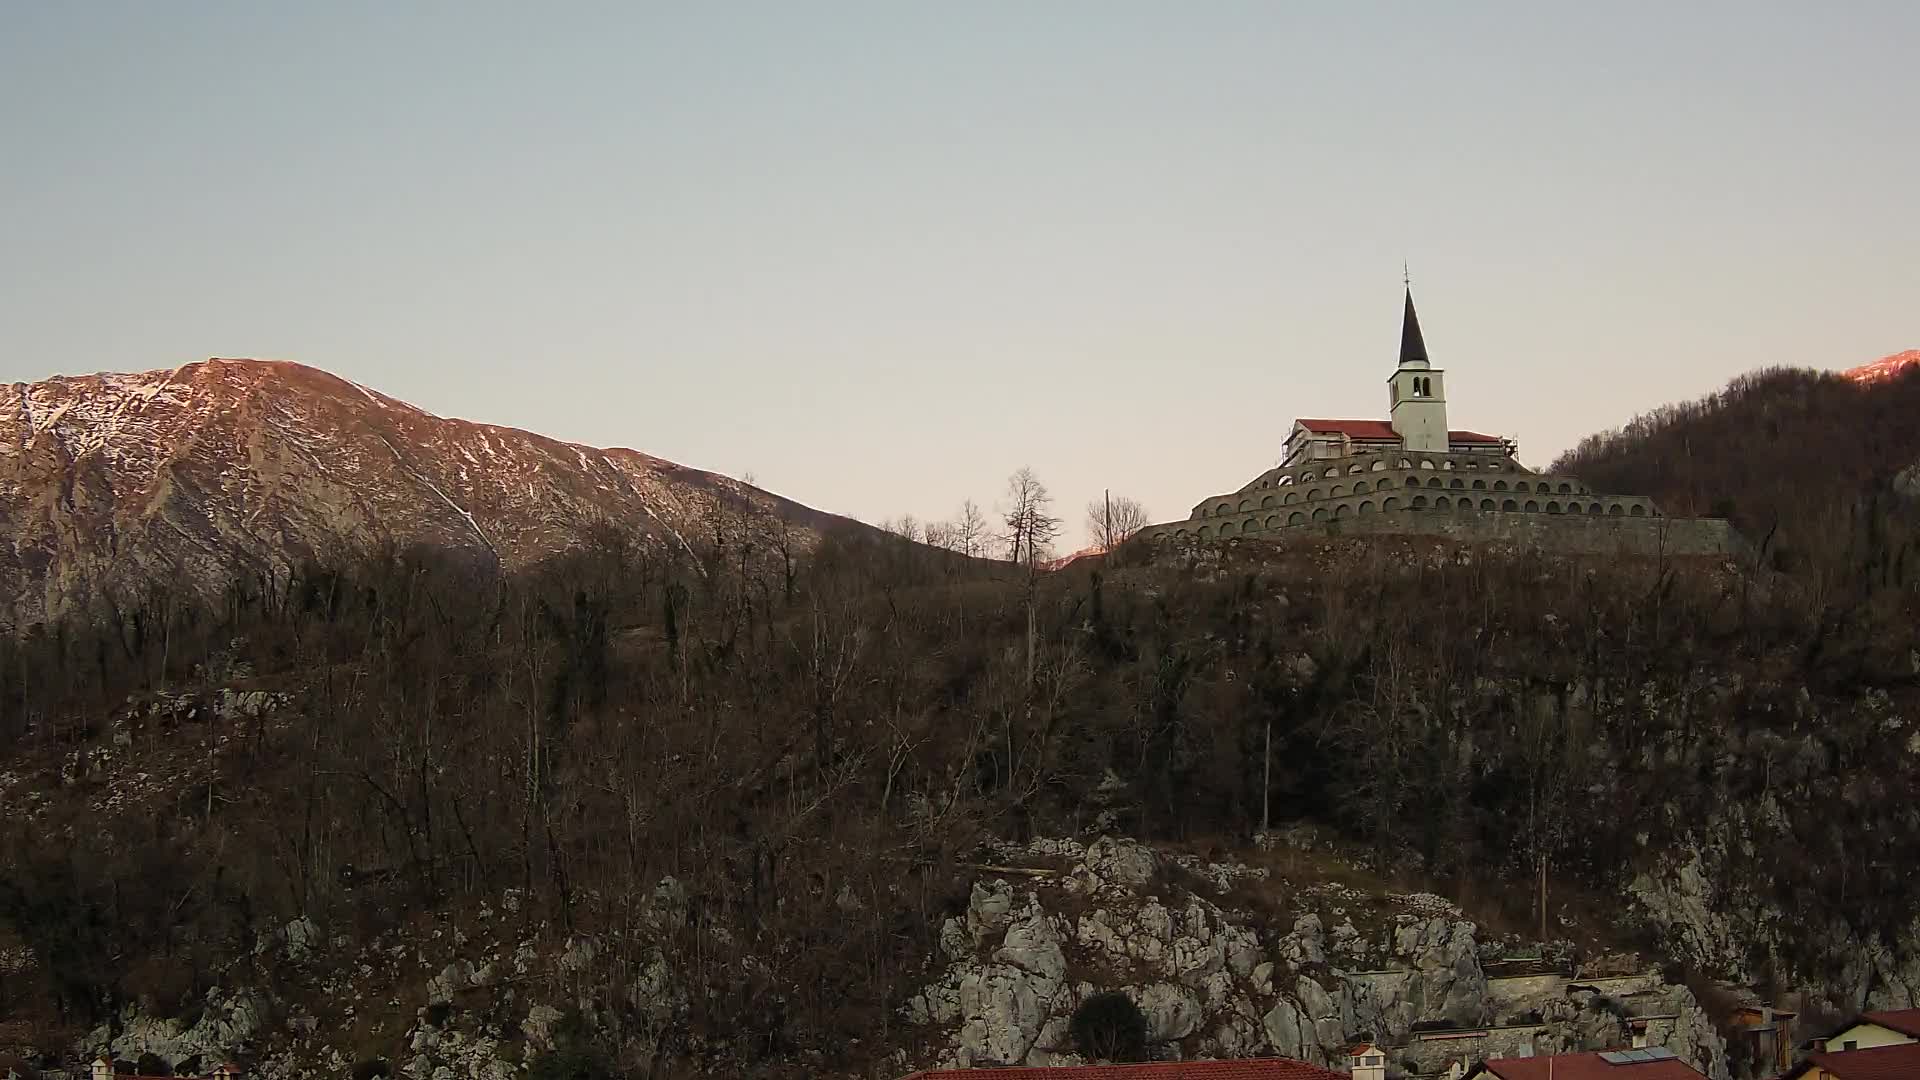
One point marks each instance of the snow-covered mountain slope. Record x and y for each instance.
(244, 467)
(1886, 367)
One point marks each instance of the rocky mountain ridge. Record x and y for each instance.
(223, 468)
(1887, 367)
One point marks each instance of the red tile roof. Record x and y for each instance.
(1589, 1067)
(1381, 429)
(1352, 429)
(1904, 1021)
(1248, 1069)
(1900, 1062)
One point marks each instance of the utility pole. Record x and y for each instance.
(1266, 778)
(1543, 902)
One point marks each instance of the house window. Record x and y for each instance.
(1850, 1044)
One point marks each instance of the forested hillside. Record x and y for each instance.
(1794, 457)
(800, 756)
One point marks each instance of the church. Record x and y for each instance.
(1413, 474)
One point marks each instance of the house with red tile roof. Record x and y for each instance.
(1887, 1027)
(1243, 1069)
(1896, 1061)
(1652, 1063)
(102, 1069)
(1413, 474)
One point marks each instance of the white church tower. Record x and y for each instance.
(1419, 391)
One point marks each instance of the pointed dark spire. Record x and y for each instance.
(1413, 348)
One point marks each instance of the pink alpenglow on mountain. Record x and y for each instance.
(226, 469)
(1884, 368)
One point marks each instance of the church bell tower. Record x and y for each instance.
(1419, 413)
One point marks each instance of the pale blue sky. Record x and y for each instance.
(880, 254)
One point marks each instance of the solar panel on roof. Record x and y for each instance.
(1658, 1053)
(1614, 1057)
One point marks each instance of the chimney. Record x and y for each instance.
(1369, 1062)
(102, 1069)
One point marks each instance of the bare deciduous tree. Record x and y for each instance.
(1114, 519)
(970, 530)
(1031, 528)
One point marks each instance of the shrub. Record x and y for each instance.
(152, 1064)
(372, 1069)
(572, 1061)
(1110, 1027)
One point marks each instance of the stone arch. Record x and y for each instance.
(1223, 508)
(1342, 510)
(1566, 489)
(1389, 503)
(1284, 481)
(1427, 464)
(1433, 481)
(1486, 504)
(1183, 535)
(1509, 505)
(1442, 503)
(1532, 507)
(1553, 507)
(1479, 484)
(1336, 491)
(1296, 518)
(1594, 508)
(1499, 485)
(1289, 497)
(1379, 464)
(1273, 521)
(1419, 502)
(1320, 514)
(1413, 481)
(1359, 487)
(1446, 465)
(1614, 510)
(1367, 507)
(1405, 463)
(1206, 533)
(1464, 505)
(1457, 484)
(1226, 529)
(1246, 505)
(1312, 495)
(1636, 510)
(1356, 467)
(1543, 487)
(1266, 502)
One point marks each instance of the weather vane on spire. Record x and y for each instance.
(1406, 276)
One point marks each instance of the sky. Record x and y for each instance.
(879, 255)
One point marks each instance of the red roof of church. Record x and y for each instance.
(1248, 1069)
(1382, 429)
(1589, 1066)
(1900, 1062)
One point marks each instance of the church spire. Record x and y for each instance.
(1413, 348)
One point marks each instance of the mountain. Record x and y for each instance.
(1887, 367)
(226, 467)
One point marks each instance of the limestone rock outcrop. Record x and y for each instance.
(1215, 982)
